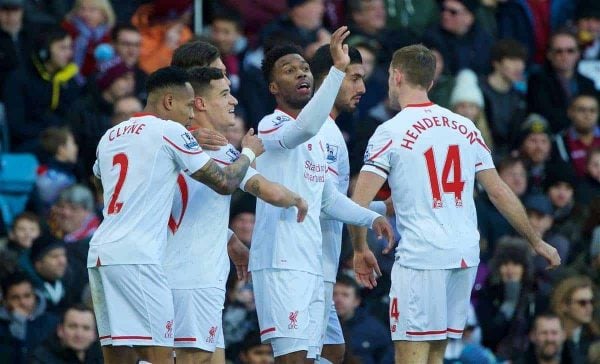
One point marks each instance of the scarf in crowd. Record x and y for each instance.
(85, 36)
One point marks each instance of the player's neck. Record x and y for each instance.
(206, 124)
(413, 97)
(288, 110)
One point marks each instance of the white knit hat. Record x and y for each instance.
(466, 89)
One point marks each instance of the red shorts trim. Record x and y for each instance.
(191, 339)
(266, 331)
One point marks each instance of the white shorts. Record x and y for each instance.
(199, 318)
(332, 333)
(289, 305)
(133, 305)
(429, 305)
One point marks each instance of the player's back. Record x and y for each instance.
(431, 156)
(138, 162)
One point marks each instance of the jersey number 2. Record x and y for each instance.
(114, 207)
(455, 186)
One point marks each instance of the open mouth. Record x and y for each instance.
(303, 87)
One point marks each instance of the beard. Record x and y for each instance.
(549, 351)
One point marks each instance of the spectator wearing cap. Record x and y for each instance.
(16, 38)
(553, 88)
(53, 277)
(466, 99)
(460, 38)
(508, 299)
(254, 351)
(39, 95)
(573, 144)
(164, 26)
(587, 22)
(24, 322)
(90, 116)
(531, 23)
(505, 106)
(573, 301)
(534, 147)
(126, 41)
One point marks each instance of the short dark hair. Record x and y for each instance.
(509, 162)
(322, 61)
(14, 279)
(195, 53)
(120, 28)
(344, 280)
(273, 54)
(417, 62)
(508, 48)
(53, 137)
(76, 307)
(563, 32)
(200, 78)
(546, 316)
(227, 14)
(26, 215)
(166, 77)
(46, 38)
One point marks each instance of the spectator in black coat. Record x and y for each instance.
(24, 322)
(368, 339)
(551, 90)
(38, 96)
(75, 340)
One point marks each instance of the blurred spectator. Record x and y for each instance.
(239, 315)
(505, 107)
(124, 107)
(547, 338)
(443, 82)
(48, 12)
(226, 34)
(90, 116)
(242, 219)
(492, 225)
(368, 339)
(16, 38)
(413, 15)
(302, 24)
(235, 133)
(552, 89)
(76, 222)
(15, 255)
(89, 23)
(75, 340)
(256, 14)
(588, 261)
(39, 95)
(587, 21)
(466, 99)
(254, 351)
(368, 19)
(127, 42)
(51, 278)
(507, 302)
(459, 37)
(572, 301)
(163, 25)
(24, 322)
(531, 23)
(589, 186)
(60, 170)
(534, 148)
(573, 144)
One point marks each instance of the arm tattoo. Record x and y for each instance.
(253, 187)
(226, 180)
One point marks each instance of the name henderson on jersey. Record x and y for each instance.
(426, 123)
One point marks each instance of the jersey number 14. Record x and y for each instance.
(454, 186)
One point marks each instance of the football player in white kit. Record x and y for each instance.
(198, 228)
(138, 162)
(285, 257)
(431, 158)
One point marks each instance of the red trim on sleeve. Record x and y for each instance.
(266, 331)
(104, 337)
(455, 331)
(132, 337)
(222, 162)
(424, 104)
(179, 149)
(333, 171)
(382, 150)
(483, 145)
(190, 339)
(183, 188)
(268, 131)
(422, 333)
(478, 164)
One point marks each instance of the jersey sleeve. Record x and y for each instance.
(377, 157)
(249, 174)
(183, 148)
(483, 155)
(96, 169)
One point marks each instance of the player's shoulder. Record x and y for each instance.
(273, 121)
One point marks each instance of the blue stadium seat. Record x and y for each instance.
(17, 179)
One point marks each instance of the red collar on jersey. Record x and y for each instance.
(425, 104)
(140, 114)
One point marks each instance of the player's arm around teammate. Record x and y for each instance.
(277, 195)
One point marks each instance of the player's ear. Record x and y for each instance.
(199, 103)
(168, 101)
(273, 88)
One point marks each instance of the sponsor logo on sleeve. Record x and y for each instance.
(189, 142)
(233, 154)
(368, 152)
(332, 153)
(280, 119)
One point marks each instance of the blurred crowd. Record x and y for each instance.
(527, 72)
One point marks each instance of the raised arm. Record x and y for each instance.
(511, 208)
(276, 194)
(226, 180)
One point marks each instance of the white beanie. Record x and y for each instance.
(466, 89)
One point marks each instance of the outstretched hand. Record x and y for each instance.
(382, 228)
(366, 268)
(339, 50)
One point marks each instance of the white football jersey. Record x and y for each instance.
(138, 162)
(196, 254)
(338, 166)
(278, 241)
(430, 156)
